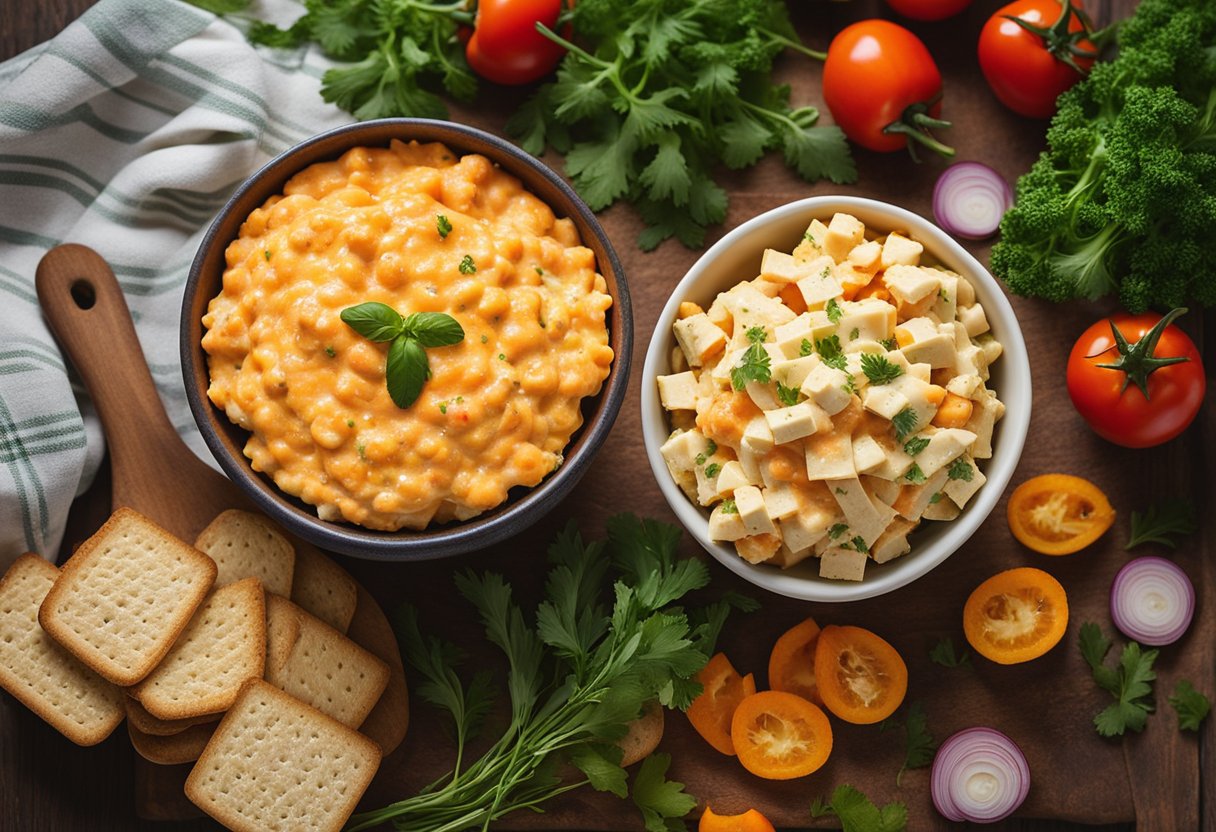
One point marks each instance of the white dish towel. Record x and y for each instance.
(127, 133)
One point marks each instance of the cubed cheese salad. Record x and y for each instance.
(828, 406)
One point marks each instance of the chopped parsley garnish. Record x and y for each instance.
(914, 475)
(825, 274)
(889, 343)
(755, 364)
(904, 422)
(729, 507)
(879, 369)
(835, 313)
(485, 339)
(841, 491)
(854, 333)
(350, 423)
(267, 253)
(712, 470)
(850, 384)
(467, 266)
(711, 448)
(502, 357)
(831, 353)
(787, 395)
(805, 348)
(330, 351)
(540, 271)
(838, 530)
(444, 227)
(859, 544)
(941, 293)
(443, 407)
(361, 449)
(936, 498)
(915, 445)
(960, 469)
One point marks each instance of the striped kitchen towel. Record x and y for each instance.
(126, 133)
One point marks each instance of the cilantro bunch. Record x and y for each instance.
(655, 94)
(579, 670)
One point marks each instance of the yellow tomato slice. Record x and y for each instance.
(1016, 615)
(861, 678)
(1058, 514)
(780, 736)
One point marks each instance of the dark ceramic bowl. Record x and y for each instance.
(524, 506)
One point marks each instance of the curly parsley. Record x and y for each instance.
(755, 364)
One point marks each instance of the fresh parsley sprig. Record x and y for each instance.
(754, 364)
(1159, 523)
(609, 637)
(919, 745)
(1129, 682)
(1191, 705)
(944, 654)
(407, 368)
(857, 813)
(653, 95)
(904, 422)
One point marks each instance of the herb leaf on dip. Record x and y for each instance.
(407, 368)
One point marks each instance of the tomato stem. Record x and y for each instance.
(915, 123)
(1137, 361)
(1063, 45)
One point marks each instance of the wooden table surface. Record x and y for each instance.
(46, 783)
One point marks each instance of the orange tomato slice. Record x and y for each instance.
(791, 665)
(861, 678)
(780, 736)
(1016, 615)
(749, 821)
(722, 689)
(1058, 514)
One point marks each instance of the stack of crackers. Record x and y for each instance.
(233, 652)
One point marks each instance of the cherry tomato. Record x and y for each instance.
(780, 736)
(1058, 514)
(506, 48)
(928, 10)
(1141, 386)
(1016, 615)
(882, 87)
(722, 689)
(791, 665)
(860, 677)
(749, 821)
(1028, 71)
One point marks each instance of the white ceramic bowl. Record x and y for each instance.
(736, 257)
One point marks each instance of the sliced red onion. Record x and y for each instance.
(1152, 601)
(969, 200)
(979, 775)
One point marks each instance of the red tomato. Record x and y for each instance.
(1028, 71)
(882, 86)
(928, 10)
(506, 48)
(1154, 391)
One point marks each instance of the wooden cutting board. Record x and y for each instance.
(152, 470)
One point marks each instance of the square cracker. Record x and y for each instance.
(327, 670)
(247, 545)
(39, 673)
(324, 589)
(138, 719)
(224, 644)
(125, 595)
(277, 764)
(175, 749)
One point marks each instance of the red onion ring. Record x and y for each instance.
(979, 775)
(969, 200)
(1152, 601)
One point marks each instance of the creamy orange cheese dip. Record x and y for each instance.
(500, 406)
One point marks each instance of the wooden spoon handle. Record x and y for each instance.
(88, 315)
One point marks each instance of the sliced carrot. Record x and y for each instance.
(953, 412)
(791, 665)
(688, 309)
(722, 689)
(780, 736)
(861, 678)
(792, 297)
(1016, 615)
(749, 821)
